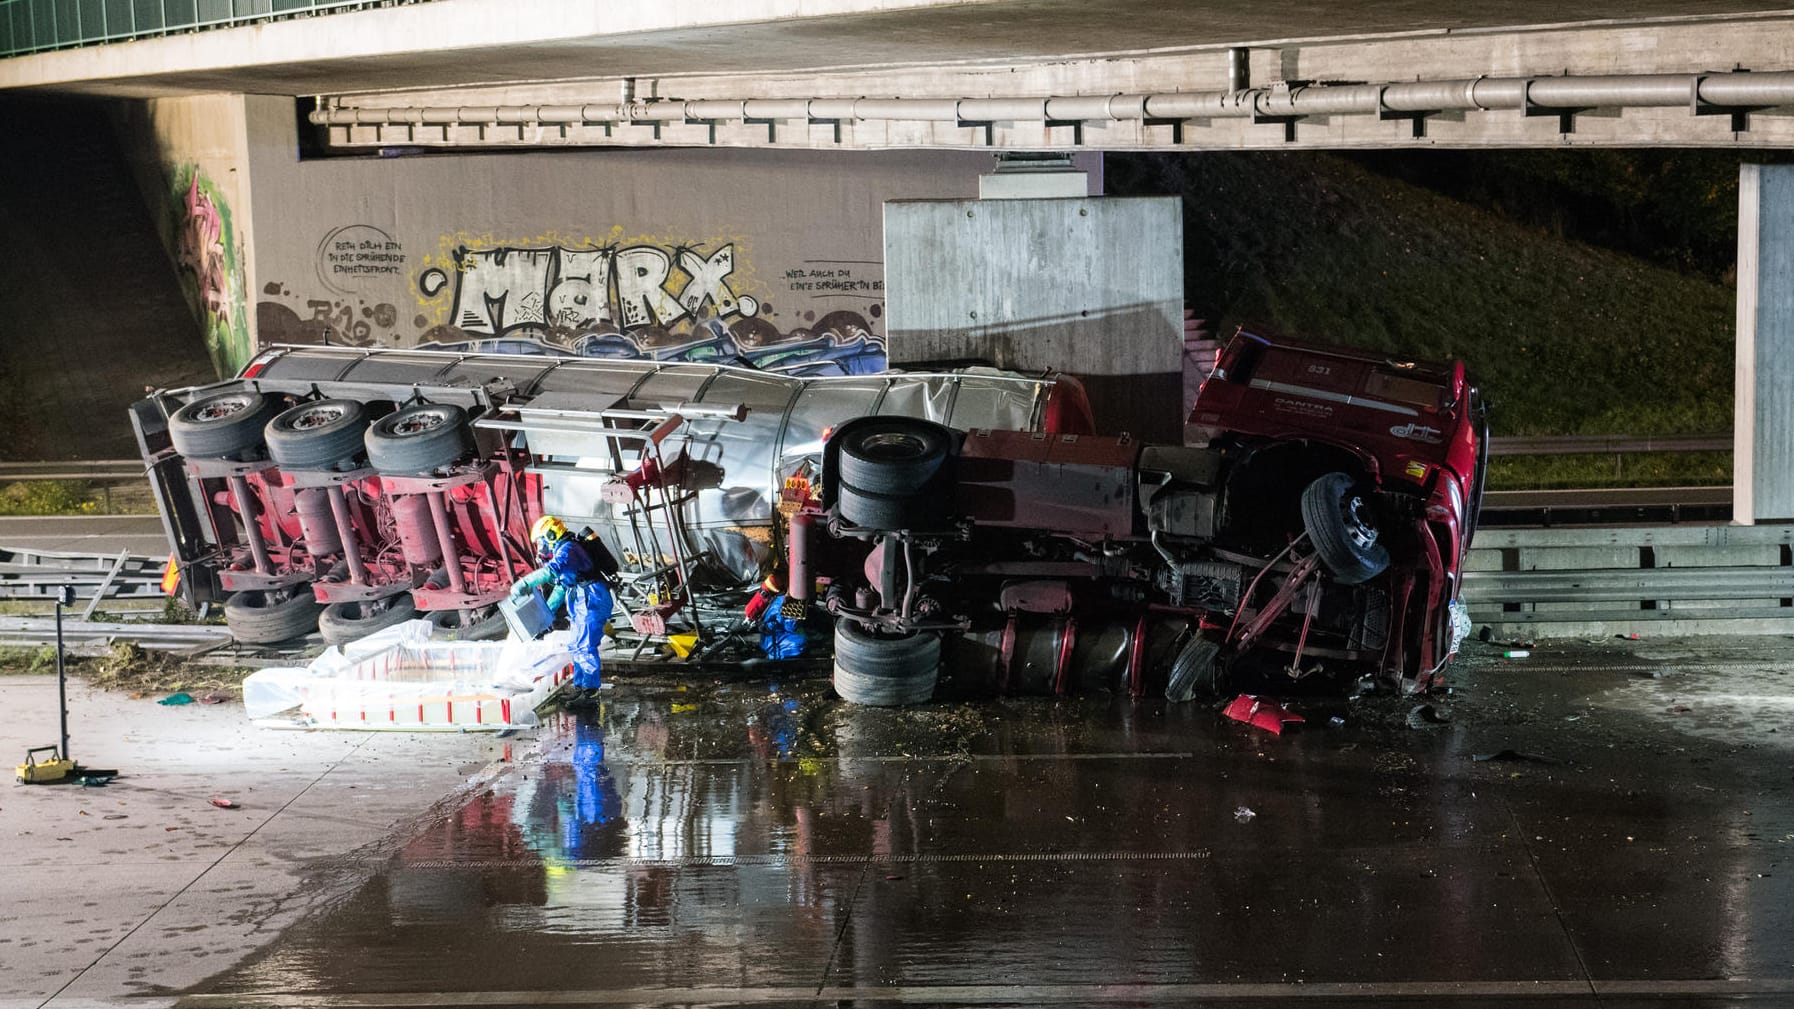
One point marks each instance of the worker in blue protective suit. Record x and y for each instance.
(580, 586)
(782, 636)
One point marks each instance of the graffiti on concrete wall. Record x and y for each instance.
(670, 301)
(210, 264)
(615, 298)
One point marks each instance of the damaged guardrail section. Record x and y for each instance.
(1660, 580)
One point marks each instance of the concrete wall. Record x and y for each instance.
(190, 158)
(1089, 286)
(771, 257)
(1763, 420)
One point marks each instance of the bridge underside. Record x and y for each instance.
(987, 74)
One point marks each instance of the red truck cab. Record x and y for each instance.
(1413, 433)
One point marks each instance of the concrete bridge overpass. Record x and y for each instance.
(986, 74)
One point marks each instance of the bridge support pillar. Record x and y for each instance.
(1763, 421)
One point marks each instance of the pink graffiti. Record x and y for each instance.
(201, 249)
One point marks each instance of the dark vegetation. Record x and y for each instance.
(1589, 291)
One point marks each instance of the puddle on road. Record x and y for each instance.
(765, 835)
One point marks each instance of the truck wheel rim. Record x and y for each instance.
(221, 408)
(1357, 526)
(317, 416)
(418, 423)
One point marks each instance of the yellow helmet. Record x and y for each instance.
(547, 528)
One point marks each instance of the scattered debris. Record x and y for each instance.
(1505, 755)
(130, 668)
(1266, 715)
(1426, 716)
(1487, 637)
(225, 804)
(179, 697)
(214, 698)
(1244, 814)
(1678, 709)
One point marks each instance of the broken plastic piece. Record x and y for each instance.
(1244, 814)
(1267, 715)
(180, 697)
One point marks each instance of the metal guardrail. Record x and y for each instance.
(41, 574)
(1635, 585)
(31, 632)
(31, 26)
(1694, 578)
(90, 469)
(1605, 444)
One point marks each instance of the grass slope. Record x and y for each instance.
(1565, 338)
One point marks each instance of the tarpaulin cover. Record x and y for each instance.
(397, 678)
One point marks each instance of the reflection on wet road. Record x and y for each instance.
(751, 844)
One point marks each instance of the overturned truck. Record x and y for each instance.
(964, 520)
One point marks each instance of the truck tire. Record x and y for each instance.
(1333, 512)
(893, 455)
(888, 511)
(262, 618)
(221, 426)
(317, 435)
(1196, 671)
(341, 623)
(419, 439)
(486, 625)
(885, 672)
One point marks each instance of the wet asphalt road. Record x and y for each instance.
(760, 844)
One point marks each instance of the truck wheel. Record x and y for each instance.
(1338, 523)
(885, 671)
(341, 623)
(262, 617)
(220, 426)
(317, 435)
(1196, 671)
(893, 455)
(888, 511)
(483, 624)
(419, 439)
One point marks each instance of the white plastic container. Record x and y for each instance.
(528, 617)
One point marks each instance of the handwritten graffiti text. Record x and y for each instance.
(500, 290)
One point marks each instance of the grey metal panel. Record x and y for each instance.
(822, 405)
(1763, 418)
(1090, 286)
(918, 396)
(674, 383)
(520, 371)
(993, 402)
(757, 391)
(734, 467)
(596, 376)
(401, 367)
(311, 364)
